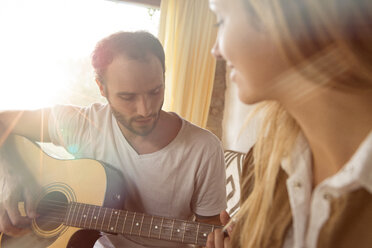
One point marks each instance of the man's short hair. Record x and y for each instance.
(135, 45)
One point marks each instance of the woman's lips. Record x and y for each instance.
(231, 70)
(232, 74)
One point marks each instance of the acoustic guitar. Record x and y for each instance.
(84, 196)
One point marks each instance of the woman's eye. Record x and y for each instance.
(219, 23)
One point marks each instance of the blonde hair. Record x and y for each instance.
(328, 42)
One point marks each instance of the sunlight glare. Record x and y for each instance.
(44, 41)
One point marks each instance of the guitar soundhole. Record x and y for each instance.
(51, 211)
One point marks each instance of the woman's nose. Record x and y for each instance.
(216, 51)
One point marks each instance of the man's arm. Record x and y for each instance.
(32, 124)
(211, 189)
(211, 193)
(15, 183)
(214, 220)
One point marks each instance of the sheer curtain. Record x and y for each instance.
(187, 33)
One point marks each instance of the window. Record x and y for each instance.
(45, 47)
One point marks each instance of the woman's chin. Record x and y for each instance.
(249, 100)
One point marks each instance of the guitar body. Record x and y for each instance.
(84, 180)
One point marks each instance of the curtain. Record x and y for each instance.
(187, 34)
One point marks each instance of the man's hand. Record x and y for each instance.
(16, 183)
(218, 239)
(15, 187)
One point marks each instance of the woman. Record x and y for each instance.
(308, 178)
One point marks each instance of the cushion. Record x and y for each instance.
(234, 162)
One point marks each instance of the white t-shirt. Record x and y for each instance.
(184, 178)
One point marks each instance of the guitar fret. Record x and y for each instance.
(109, 227)
(103, 219)
(161, 227)
(68, 214)
(188, 235)
(152, 219)
(197, 233)
(143, 216)
(72, 213)
(125, 219)
(91, 218)
(96, 218)
(87, 216)
(172, 230)
(184, 231)
(117, 219)
(82, 215)
(131, 228)
(77, 214)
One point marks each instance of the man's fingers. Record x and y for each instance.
(210, 240)
(11, 206)
(15, 186)
(30, 195)
(7, 227)
(226, 242)
(219, 238)
(224, 217)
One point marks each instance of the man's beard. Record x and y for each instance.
(128, 123)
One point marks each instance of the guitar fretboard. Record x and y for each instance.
(138, 224)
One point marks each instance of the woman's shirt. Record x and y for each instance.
(311, 209)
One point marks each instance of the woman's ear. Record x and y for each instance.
(101, 87)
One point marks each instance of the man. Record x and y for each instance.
(170, 167)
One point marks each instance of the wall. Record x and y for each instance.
(227, 114)
(216, 109)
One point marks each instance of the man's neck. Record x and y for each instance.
(166, 129)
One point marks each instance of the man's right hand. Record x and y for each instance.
(15, 187)
(16, 183)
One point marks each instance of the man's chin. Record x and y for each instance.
(143, 128)
(142, 132)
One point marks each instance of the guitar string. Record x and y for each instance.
(186, 237)
(52, 204)
(122, 225)
(145, 224)
(167, 227)
(174, 237)
(168, 231)
(63, 210)
(64, 206)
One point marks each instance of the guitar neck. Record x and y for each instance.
(138, 224)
